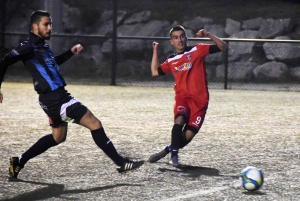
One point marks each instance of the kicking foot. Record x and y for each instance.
(157, 156)
(129, 165)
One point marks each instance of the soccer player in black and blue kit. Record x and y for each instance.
(56, 102)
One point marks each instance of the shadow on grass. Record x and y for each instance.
(56, 190)
(254, 193)
(192, 171)
(195, 171)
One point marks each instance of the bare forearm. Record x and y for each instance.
(154, 64)
(220, 43)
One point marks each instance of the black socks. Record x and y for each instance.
(39, 147)
(48, 141)
(104, 143)
(176, 139)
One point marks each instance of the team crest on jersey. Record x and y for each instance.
(185, 66)
(188, 56)
(50, 61)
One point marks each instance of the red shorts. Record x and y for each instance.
(193, 110)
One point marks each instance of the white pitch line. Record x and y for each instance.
(203, 192)
(190, 195)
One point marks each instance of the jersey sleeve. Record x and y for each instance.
(165, 68)
(214, 49)
(203, 48)
(63, 57)
(15, 55)
(160, 72)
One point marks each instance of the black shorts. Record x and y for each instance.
(60, 107)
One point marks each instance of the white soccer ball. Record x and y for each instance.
(252, 178)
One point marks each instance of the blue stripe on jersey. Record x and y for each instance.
(46, 76)
(57, 77)
(49, 64)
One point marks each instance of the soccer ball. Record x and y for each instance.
(252, 178)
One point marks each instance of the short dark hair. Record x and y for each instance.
(36, 16)
(176, 28)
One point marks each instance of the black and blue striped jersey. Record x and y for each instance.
(40, 63)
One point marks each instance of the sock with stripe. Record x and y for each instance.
(168, 148)
(175, 140)
(104, 143)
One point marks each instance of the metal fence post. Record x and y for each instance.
(54, 7)
(114, 44)
(226, 66)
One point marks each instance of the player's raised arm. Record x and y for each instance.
(220, 43)
(155, 62)
(76, 49)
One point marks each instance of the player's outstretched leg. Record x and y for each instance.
(14, 167)
(104, 143)
(159, 155)
(17, 163)
(129, 165)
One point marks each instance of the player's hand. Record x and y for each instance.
(155, 45)
(202, 33)
(1, 97)
(76, 49)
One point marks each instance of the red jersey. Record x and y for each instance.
(189, 72)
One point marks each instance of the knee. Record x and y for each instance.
(180, 119)
(94, 124)
(60, 138)
(189, 136)
(190, 132)
(90, 121)
(97, 123)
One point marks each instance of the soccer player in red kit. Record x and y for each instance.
(191, 91)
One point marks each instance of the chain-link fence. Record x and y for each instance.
(110, 57)
(253, 64)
